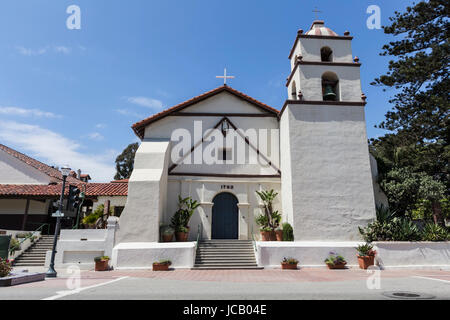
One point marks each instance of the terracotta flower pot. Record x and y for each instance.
(366, 261)
(181, 236)
(160, 267)
(337, 265)
(288, 266)
(167, 237)
(101, 265)
(279, 235)
(273, 236)
(265, 235)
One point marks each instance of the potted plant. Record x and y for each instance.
(5, 267)
(167, 233)
(181, 218)
(366, 255)
(335, 261)
(101, 263)
(161, 265)
(270, 219)
(289, 263)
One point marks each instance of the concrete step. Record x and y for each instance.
(221, 254)
(225, 254)
(202, 267)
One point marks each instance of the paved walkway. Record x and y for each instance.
(306, 283)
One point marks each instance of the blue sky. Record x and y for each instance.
(70, 96)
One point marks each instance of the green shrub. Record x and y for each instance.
(94, 216)
(395, 230)
(434, 232)
(288, 232)
(14, 245)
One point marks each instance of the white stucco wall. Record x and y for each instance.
(14, 171)
(80, 247)
(413, 254)
(310, 49)
(147, 191)
(332, 192)
(205, 189)
(223, 103)
(141, 255)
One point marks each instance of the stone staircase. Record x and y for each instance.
(225, 254)
(34, 256)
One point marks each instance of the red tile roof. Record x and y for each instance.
(54, 190)
(50, 171)
(139, 127)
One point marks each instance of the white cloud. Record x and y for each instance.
(54, 149)
(41, 51)
(100, 126)
(146, 102)
(16, 111)
(129, 113)
(62, 49)
(95, 136)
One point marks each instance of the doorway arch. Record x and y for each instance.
(225, 217)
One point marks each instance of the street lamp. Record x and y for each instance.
(51, 273)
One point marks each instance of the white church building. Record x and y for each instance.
(222, 146)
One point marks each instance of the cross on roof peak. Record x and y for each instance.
(225, 77)
(317, 11)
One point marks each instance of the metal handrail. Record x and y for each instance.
(254, 241)
(31, 233)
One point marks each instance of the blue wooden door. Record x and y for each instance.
(225, 217)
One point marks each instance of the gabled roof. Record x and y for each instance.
(139, 127)
(46, 169)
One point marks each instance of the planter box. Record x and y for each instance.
(102, 265)
(337, 266)
(160, 267)
(287, 266)
(21, 278)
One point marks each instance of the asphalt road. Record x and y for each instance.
(136, 286)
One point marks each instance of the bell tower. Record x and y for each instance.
(326, 177)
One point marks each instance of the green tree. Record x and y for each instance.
(413, 157)
(419, 73)
(125, 162)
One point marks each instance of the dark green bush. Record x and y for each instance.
(288, 232)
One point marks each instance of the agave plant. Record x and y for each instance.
(384, 214)
(435, 232)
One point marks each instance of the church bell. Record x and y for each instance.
(329, 94)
